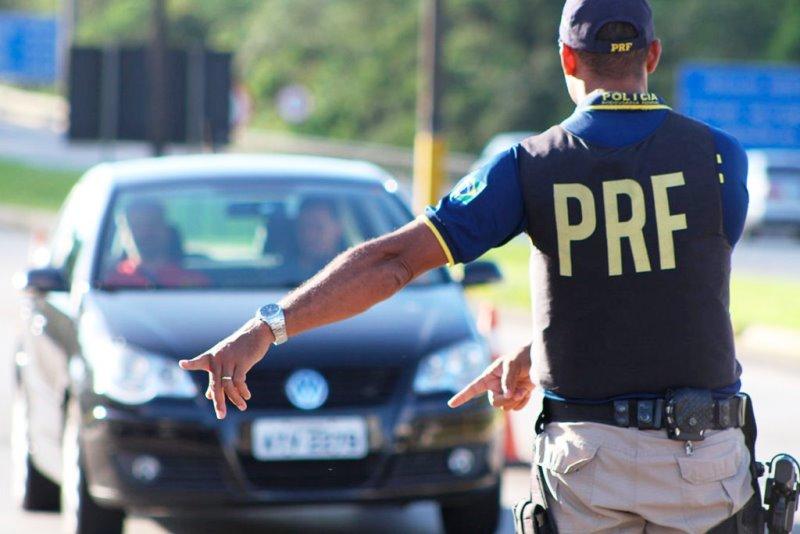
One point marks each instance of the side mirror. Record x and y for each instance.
(42, 280)
(481, 272)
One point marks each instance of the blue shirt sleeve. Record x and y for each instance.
(484, 210)
(732, 167)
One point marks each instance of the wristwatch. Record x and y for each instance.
(272, 314)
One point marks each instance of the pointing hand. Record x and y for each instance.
(228, 362)
(506, 380)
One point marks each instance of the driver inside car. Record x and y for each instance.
(152, 250)
(320, 236)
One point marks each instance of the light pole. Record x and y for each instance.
(158, 73)
(429, 145)
(68, 22)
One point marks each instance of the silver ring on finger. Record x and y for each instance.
(227, 378)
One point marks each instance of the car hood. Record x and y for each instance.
(182, 324)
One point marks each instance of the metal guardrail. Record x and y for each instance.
(396, 159)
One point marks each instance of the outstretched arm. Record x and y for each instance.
(363, 276)
(352, 283)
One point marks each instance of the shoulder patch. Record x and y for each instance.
(470, 186)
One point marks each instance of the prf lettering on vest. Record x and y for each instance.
(632, 229)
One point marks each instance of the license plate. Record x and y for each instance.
(310, 438)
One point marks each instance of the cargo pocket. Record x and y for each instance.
(566, 462)
(718, 482)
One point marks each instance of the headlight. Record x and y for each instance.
(131, 376)
(452, 368)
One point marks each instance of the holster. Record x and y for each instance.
(531, 515)
(750, 519)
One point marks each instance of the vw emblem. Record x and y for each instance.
(306, 389)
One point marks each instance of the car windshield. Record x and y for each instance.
(234, 235)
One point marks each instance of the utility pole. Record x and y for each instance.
(429, 145)
(158, 76)
(66, 35)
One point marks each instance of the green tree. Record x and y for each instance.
(358, 57)
(28, 5)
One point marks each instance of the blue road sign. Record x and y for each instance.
(758, 104)
(27, 47)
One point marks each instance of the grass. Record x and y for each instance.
(34, 187)
(766, 301)
(514, 290)
(754, 299)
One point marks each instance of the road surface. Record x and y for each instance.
(776, 390)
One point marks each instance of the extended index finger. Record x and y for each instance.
(479, 386)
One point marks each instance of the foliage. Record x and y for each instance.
(358, 57)
(28, 5)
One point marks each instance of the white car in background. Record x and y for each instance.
(774, 185)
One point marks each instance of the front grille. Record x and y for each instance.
(178, 472)
(417, 464)
(127, 432)
(425, 466)
(309, 474)
(347, 386)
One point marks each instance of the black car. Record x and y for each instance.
(156, 260)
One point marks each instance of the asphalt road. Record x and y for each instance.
(776, 390)
(772, 256)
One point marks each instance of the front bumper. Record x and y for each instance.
(208, 463)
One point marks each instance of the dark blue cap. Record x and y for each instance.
(582, 20)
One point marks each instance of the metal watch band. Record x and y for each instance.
(272, 314)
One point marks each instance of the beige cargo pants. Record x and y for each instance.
(624, 480)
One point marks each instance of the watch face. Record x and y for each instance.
(269, 310)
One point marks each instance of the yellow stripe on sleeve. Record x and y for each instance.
(719, 159)
(439, 238)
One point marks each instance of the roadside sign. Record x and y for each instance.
(757, 104)
(110, 95)
(27, 47)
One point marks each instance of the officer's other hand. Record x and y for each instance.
(507, 381)
(232, 358)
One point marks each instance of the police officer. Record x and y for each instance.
(633, 211)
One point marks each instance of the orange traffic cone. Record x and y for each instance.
(510, 449)
(488, 320)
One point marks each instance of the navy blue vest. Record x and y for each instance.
(631, 269)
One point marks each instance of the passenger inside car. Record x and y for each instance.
(152, 250)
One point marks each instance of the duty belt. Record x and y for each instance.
(686, 414)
